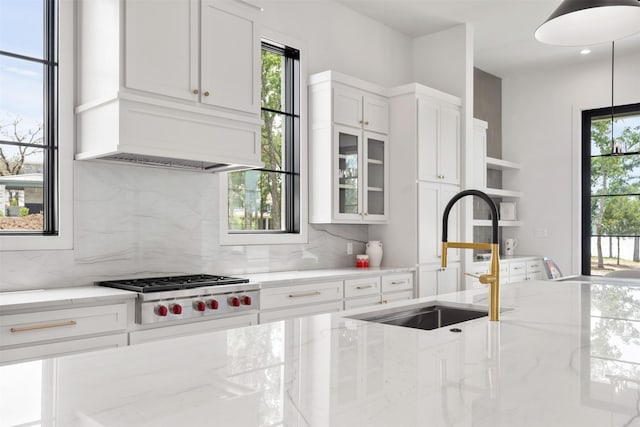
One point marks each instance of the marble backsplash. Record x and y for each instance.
(138, 221)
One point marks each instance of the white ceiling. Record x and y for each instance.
(503, 30)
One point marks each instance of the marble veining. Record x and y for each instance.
(567, 354)
(132, 221)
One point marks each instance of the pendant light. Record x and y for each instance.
(587, 22)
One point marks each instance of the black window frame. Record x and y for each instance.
(49, 61)
(292, 161)
(587, 117)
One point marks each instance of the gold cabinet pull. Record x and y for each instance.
(398, 282)
(195, 91)
(206, 93)
(364, 287)
(366, 122)
(307, 294)
(46, 326)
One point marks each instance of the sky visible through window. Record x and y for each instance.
(21, 82)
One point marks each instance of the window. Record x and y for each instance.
(28, 117)
(611, 189)
(268, 201)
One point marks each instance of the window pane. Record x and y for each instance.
(273, 140)
(21, 99)
(625, 133)
(21, 188)
(273, 95)
(256, 200)
(615, 175)
(615, 216)
(21, 27)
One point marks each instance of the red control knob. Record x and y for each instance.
(213, 304)
(162, 310)
(234, 302)
(176, 309)
(246, 300)
(200, 306)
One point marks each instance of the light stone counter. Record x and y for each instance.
(279, 278)
(567, 354)
(50, 298)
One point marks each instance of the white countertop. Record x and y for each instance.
(567, 354)
(50, 298)
(292, 277)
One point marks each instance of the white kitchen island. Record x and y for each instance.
(566, 354)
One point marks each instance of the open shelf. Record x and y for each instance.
(499, 192)
(501, 165)
(487, 223)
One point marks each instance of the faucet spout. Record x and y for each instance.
(493, 278)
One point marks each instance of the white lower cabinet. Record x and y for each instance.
(163, 332)
(32, 335)
(511, 271)
(434, 280)
(389, 287)
(282, 302)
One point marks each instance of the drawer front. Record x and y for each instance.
(517, 268)
(517, 278)
(156, 334)
(55, 349)
(361, 287)
(289, 313)
(362, 302)
(397, 296)
(61, 324)
(291, 296)
(397, 282)
(534, 267)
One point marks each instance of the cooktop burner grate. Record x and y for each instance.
(171, 283)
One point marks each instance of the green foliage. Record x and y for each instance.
(1, 213)
(13, 202)
(24, 211)
(255, 198)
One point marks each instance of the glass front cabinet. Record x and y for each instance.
(348, 153)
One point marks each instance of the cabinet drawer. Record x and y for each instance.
(517, 268)
(290, 296)
(534, 266)
(397, 296)
(61, 324)
(362, 302)
(156, 334)
(289, 313)
(361, 287)
(55, 349)
(397, 282)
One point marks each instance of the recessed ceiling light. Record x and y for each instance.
(585, 51)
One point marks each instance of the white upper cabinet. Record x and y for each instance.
(206, 51)
(439, 141)
(355, 108)
(432, 199)
(169, 83)
(348, 151)
(160, 56)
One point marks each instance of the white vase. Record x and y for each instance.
(374, 250)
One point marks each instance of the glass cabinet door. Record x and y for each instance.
(349, 200)
(376, 176)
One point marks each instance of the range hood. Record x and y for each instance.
(129, 130)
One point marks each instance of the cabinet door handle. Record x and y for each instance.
(45, 326)
(360, 121)
(364, 287)
(306, 294)
(196, 91)
(366, 122)
(206, 93)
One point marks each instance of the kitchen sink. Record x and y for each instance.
(427, 317)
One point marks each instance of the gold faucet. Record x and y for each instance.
(493, 278)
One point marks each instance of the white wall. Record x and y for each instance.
(139, 221)
(337, 38)
(541, 129)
